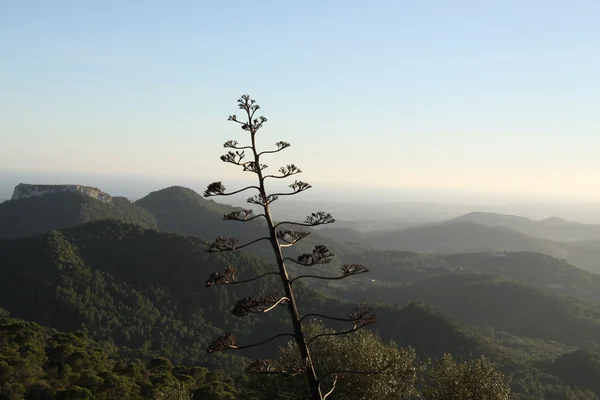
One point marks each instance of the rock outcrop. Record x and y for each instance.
(24, 190)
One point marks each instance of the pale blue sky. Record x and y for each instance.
(483, 96)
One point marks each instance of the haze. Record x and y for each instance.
(497, 100)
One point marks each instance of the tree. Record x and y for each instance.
(279, 237)
(363, 350)
(476, 379)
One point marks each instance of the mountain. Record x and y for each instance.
(464, 237)
(39, 214)
(553, 228)
(455, 237)
(182, 210)
(143, 291)
(483, 300)
(535, 269)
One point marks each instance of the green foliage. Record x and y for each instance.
(361, 351)
(449, 379)
(40, 363)
(580, 368)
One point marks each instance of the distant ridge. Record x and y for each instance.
(553, 228)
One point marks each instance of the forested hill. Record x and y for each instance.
(36, 215)
(143, 291)
(41, 363)
(182, 210)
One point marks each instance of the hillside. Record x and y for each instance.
(139, 288)
(181, 210)
(35, 215)
(463, 237)
(534, 269)
(388, 267)
(455, 237)
(554, 228)
(41, 363)
(483, 300)
(144, 291)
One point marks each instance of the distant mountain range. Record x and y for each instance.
(553, 228)
(461, 235)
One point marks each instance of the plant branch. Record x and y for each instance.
(228, 277)
(335, 333)
(332, 387)
(314, 219)
(228, 341)
(260, 305)
(290, 237)
(217, 189)
(241, 215)
(229, 244)
(325, 316)
(297, 187)
(286, 171)
(233, 144)
(347, 270)
(280, 146)
(319, 255)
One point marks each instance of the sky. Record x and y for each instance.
(494, 97)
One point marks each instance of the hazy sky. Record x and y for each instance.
(489, 96)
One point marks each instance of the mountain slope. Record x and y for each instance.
(552, 228)
(145, 290)
(483, 300)
(36, 215)
(182, 210)
(452, 237)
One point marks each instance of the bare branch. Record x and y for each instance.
(234, 158)
(332, 387)
(228, 244)
(263, 304)
(286, 171)
(250, 166)
(280, 146)
(217, 189)
(297, 187)
(347, 270)
(241, 215)
(291, 237)
(229, 341)
(362, 316)
(228, 277)
(353, 269)
(358, 316)
(261, 200)
(233, 144)
(335, 333)
(234, 119)
(314, 219)
(320, 255)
